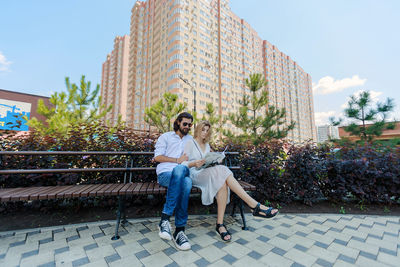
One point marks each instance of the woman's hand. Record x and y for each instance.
(199, 163)
(182, 158)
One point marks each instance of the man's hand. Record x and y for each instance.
(199, 163)
(182, 158)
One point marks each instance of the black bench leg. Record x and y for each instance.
(239, 202)
(235, 201)
(124, 220)
(119, 213)
(244, 227)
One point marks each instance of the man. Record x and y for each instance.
(169, 153)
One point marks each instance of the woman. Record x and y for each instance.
(217, 181)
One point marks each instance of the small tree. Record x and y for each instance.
(79, 105)
(215, 120)
(161, 114)
(360, 111)
(259, 128)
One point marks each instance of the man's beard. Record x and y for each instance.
(184, 131)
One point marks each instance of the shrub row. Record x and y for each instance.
(368, 174)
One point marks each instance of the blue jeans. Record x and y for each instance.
(179, 185)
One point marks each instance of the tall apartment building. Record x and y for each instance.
(114, 80)
(290, 87)
(326, 132)
(202, 51)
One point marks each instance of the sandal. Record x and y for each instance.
(264, 213)
(223, 234)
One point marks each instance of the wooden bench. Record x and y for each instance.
(121, 190)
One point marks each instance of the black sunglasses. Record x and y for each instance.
(186, 124)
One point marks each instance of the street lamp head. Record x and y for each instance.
(183, 79)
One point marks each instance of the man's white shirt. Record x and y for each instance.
(171, 145)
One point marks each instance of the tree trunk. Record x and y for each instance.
(363, 122)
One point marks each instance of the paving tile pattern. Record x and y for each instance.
(287, 240)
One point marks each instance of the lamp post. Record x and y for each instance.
(193, 90)
(139, 94)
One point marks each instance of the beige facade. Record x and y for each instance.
(290, 87)
(114, 82)
(204, 43)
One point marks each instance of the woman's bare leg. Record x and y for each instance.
(222, 199)
(239, 191)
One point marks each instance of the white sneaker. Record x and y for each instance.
(165, 230)
(182, 242)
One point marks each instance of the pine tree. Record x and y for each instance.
(163, 112)
(217, 122)
(365, 121)
(79, 105)
(255, 124)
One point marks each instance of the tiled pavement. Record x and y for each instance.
(287, 240)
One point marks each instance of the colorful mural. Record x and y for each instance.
(12, 113)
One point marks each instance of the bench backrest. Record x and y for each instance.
(130, 160)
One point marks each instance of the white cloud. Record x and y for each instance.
(373, 94)
(4, 63)
(322, 118)
(328, 85)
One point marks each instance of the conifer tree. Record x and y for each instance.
(257, 120)
(366, 121)
(216, 121)
(79, 105)
(163, 112)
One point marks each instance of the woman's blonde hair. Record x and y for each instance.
(199, 128)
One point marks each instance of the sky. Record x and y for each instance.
(345, 45)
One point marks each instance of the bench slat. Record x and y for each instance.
(150, 189)
(156, 188)
(33, 195)
(83, 187)
(67, 193)
(9, 193)
(136, 189)
(85, 193)
(125, 188)
(144, 188)
(101, 191)
(117, 189)
(25, 193)
(5, 191)
(57, 189)
(94, 191)
(107, 192)
(42, 194)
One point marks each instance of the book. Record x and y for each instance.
(213, 158)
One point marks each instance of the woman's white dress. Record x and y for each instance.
(209, 180)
